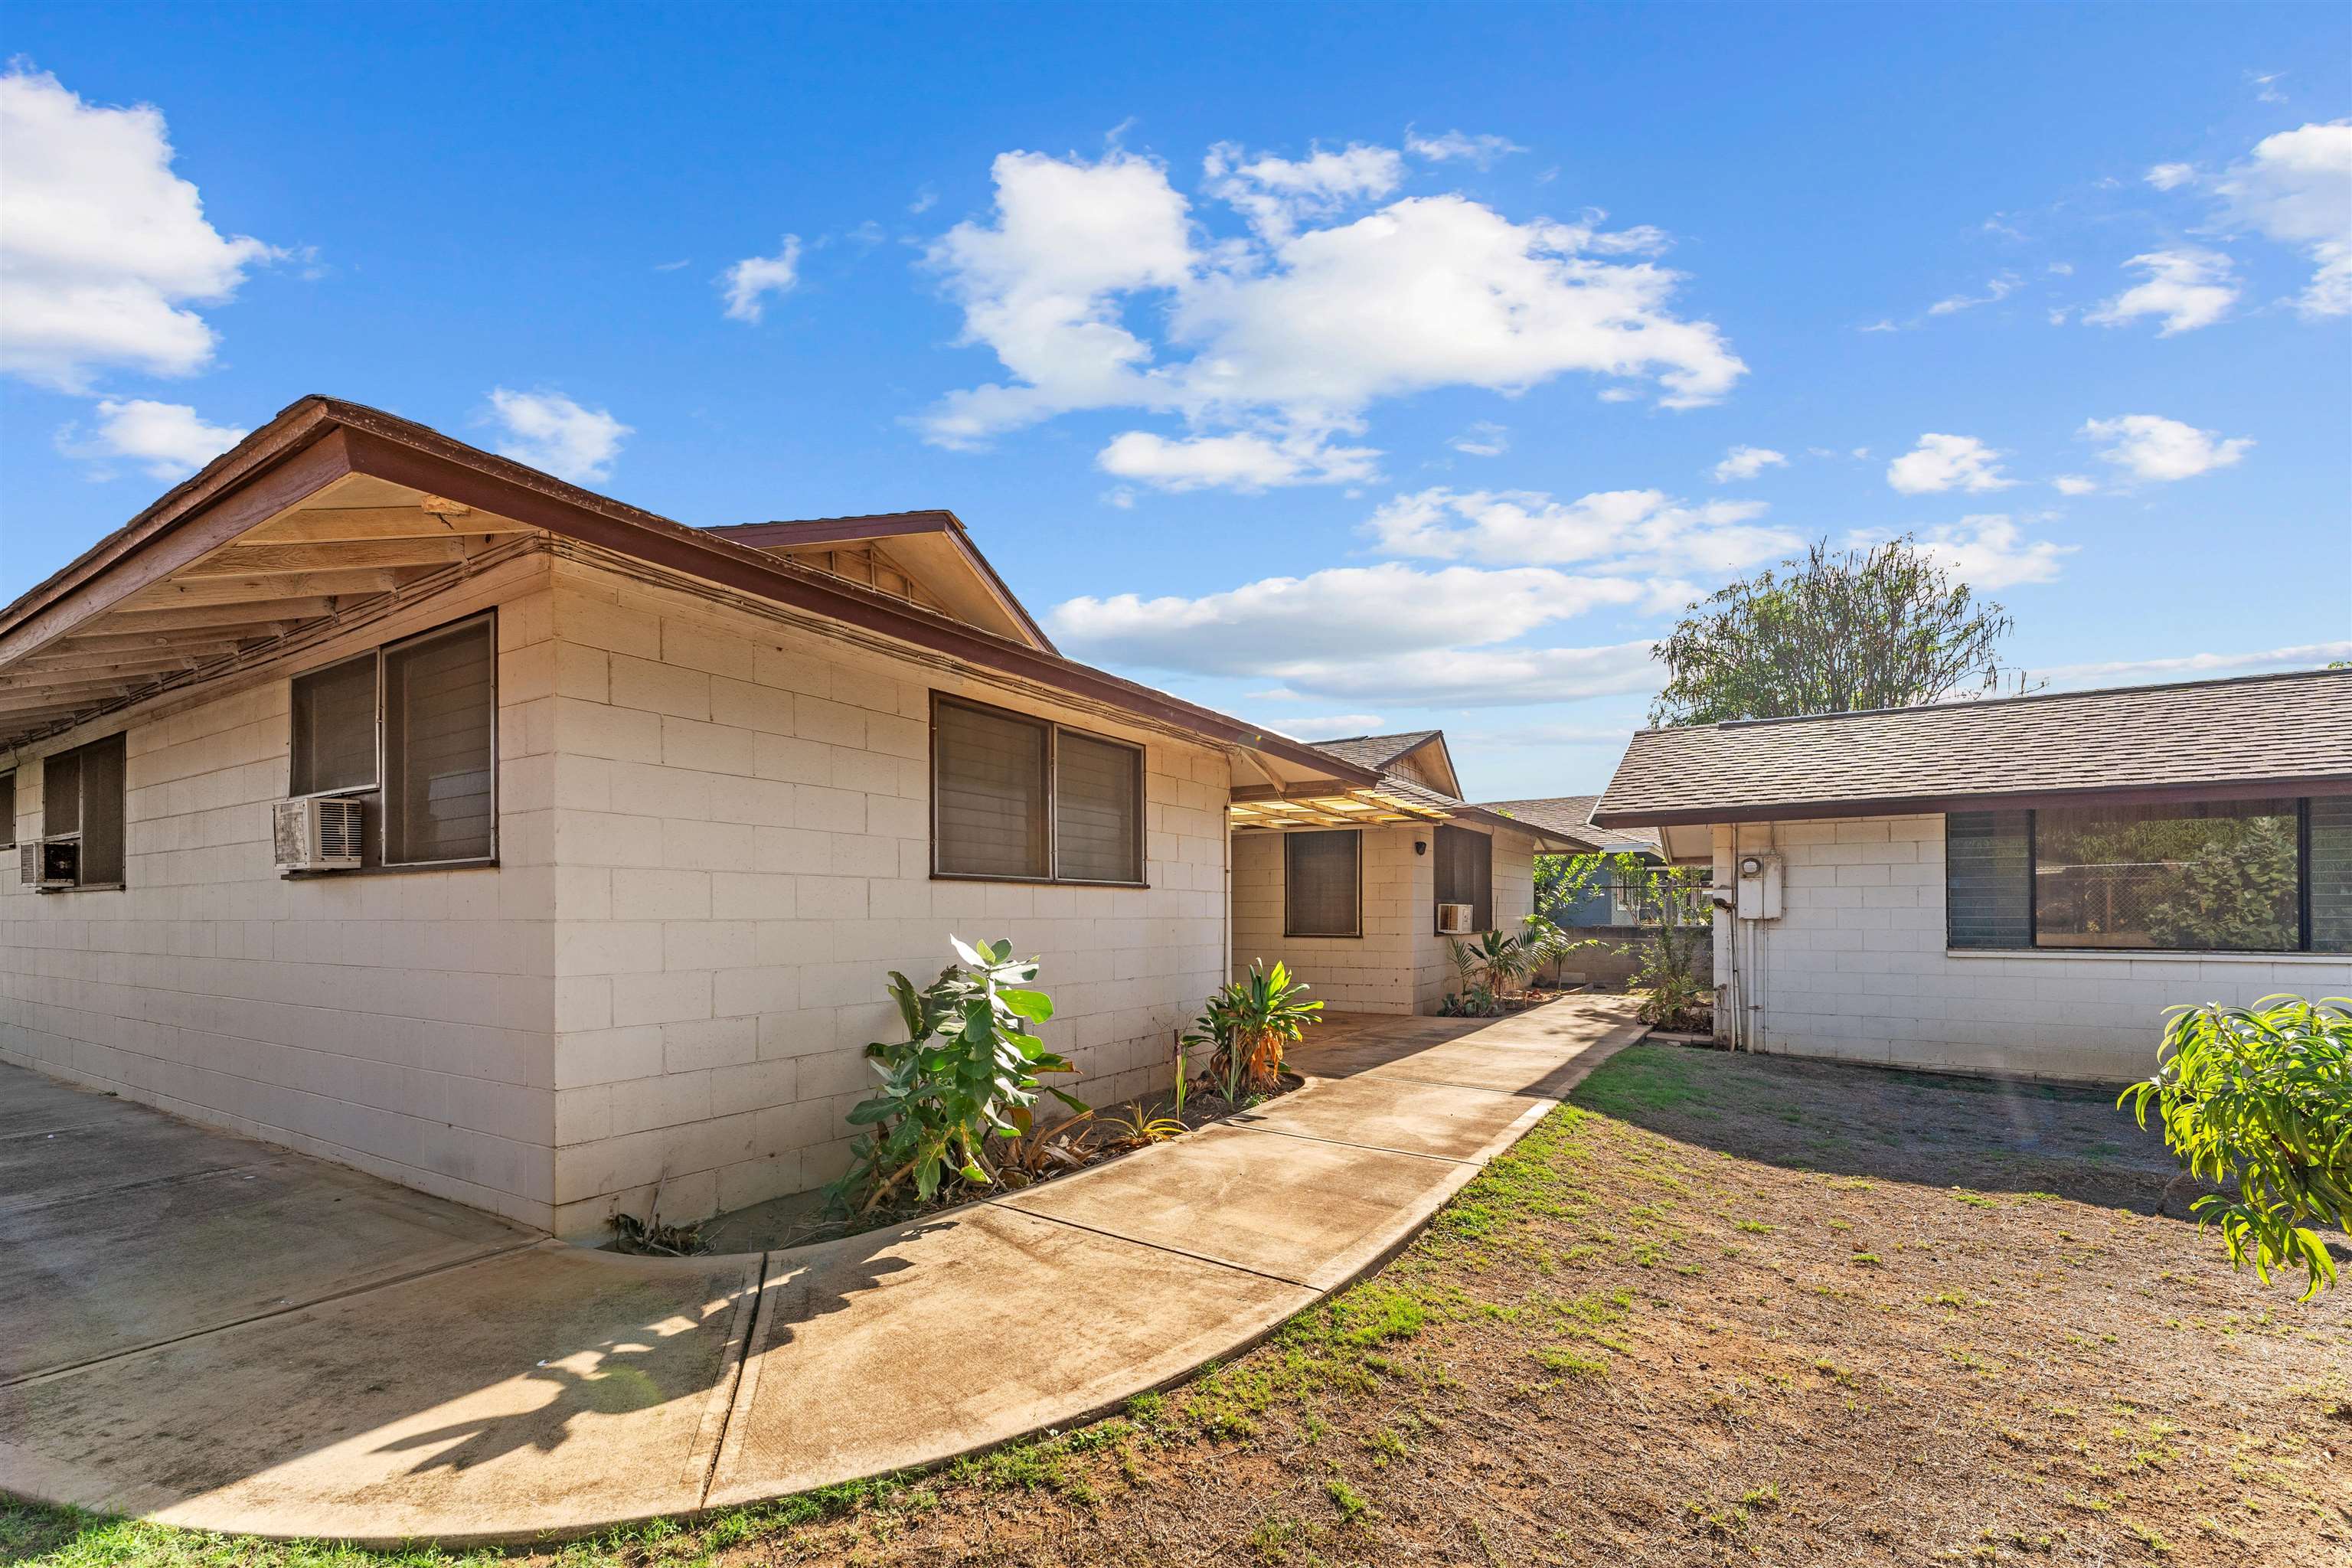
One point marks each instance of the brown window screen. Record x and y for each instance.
(7, 810)
(1466, 874)
(334, 729)
(1098, 791)
(81, 797)
(439, 707)
(1322, 883)
(990, 793)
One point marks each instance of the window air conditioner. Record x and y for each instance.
(1453, 919)
(49, 863)
(318, 833)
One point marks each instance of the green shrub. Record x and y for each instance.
(2260, 1099)
(967, 1068)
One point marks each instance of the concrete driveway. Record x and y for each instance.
(214, 1332)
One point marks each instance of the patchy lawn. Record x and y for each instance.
(1722, 1309)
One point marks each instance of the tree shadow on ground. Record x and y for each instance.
(1847, 1118)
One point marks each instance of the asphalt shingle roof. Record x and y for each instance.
(1570, 817)
(1374, 750)
(2293, 728)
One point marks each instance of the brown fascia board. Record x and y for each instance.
(320, 439)
(1939, 805)
(817, 531)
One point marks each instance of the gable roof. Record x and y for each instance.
(931, 550)
(1569, 817)
(1431, 756)
(333, 510)
(2281, 735)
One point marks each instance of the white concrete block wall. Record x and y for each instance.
(1857, 968)
(742, 844)
(399, 1022)
(1400, 965)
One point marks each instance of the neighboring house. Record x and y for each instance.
(1569, 819)
(632, 819)
(1348, 889)
(2018, 885)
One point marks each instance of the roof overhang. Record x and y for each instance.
(933, 546)
(1328, 802)
(235, 540)
(1938, 805)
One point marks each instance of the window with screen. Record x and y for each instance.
(2238, 876)
(1466, 874)
(1020, 799)
(1323, 883)
(82, 804)
(411, 731)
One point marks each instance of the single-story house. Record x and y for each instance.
(1569, 819)
(2017, 885)
(387, 799)
(1361, 892)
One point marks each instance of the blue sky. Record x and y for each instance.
(1347, 368)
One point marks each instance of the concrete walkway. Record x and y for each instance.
(212, 1333)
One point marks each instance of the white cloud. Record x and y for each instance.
(1280, 626)
(2075, 484)
(2168, 176)
(1246, 461)
(1276, 195)
(1944, 463)
(1642, 533)
(1483, 439)
(925, 200)
(1747, 462)
(2296, 188)
(1329, 727)
(1987, 552)
(1482, 150)
(2195, 665)
(2150, 447)
(751, 279)
(1996, 289)
(2187, 287)
(102, 247)
(1488, 677)
(169, 439)
(1292, 331)
(550, 431)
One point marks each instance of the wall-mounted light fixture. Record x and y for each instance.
(1420, 845)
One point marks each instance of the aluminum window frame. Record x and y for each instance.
(1049, 806)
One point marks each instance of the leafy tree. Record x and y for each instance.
(2260, 1099)
(1837, 632)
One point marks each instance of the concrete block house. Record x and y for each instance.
(2018, 886)
(389, 800)
(1351, 890)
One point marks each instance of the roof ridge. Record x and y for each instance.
(1975, 703)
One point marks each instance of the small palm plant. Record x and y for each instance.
(1250, 1025)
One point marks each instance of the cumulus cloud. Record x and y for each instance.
(1747, 462)
(2075, 484)
(2168, 176)
(2196, 666)
(2187, 287)
(1947, 463)
(1638, 533)
(2150, 447)
(1988, 552)
(1482, 150)
(1276, 195)
(168, 440)
(102, 247)
(550, 431)
(751, 280)
(2296, 188)
(1483, 439)
(1245, 461)
(1096, 287)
